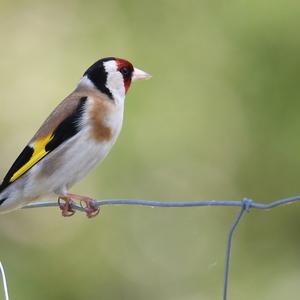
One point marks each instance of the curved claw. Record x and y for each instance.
(90, 208)
(66, 208)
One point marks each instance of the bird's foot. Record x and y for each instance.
(88, 204)
(65, 206)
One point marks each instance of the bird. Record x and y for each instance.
(75, 137)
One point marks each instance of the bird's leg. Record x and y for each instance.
(89, 204)
(65, 206)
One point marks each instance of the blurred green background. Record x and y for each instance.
(219, 120)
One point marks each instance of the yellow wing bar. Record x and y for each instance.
(39, 152)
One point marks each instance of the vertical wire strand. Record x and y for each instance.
(4, 283)
(234, 225)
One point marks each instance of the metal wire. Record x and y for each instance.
(240, 203)
(245, 205)
(5, 290)
(244, 208)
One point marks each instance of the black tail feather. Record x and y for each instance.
(3, 186)
(2, 200)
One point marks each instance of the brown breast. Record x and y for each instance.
(100, 108)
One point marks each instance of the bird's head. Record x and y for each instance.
(113, 77)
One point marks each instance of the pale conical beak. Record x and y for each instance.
(139, 75)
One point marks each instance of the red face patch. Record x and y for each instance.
(126, 69)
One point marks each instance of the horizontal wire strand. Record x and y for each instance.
(151, 203)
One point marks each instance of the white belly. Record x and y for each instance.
(72, 162)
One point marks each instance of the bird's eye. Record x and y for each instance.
(125, 71)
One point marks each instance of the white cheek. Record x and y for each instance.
(115, 84)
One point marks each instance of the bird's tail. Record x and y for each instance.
(2, 196)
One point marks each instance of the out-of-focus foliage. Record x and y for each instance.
(218, 120)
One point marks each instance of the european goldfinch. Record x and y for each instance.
(76, 136)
